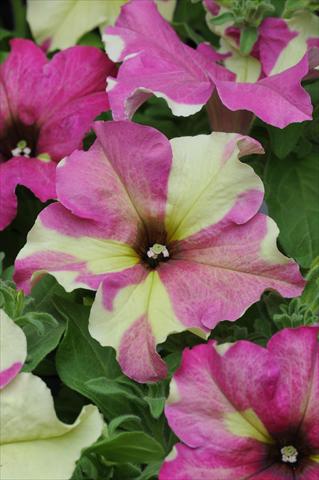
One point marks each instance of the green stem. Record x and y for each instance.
(19, 16)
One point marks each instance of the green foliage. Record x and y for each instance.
(292, 196)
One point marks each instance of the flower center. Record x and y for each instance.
(18, 139)
(21, 149)
(289, 454)
(156, 250)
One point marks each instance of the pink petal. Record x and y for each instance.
(20, 74)
(209, 463)
(222, 268)
(296, 352)
(155, 61)
(274, 36)
(37, 175)
(278, 100)
(137, 353)
(74, 84)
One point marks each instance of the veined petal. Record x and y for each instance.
(13, 347)
(215, 181)
(209, 463)
(210, 404)
(296, 402)
(67, 113)
(35, 444)
(236, 418)
(75, 251)
(155, 61)
(132, 313)
(121, 181)
(226, 268)
(19, 74)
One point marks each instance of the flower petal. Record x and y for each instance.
(209, 463)
(296, 351)
(304, 26)
(132, 313)
(65, 21)
(274, 37)
(226, 268)
(155, 61)
(278, 100)
(33, 173)
(210, 400)
(75, 251)
(74, 85)
(20, 73)
(35, 444)
(13, 346)
(215, 181)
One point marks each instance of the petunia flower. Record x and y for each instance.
(156, 61)
(46, 107)
(247, 412)
(34, 443)
(168, 234)
(60, 24)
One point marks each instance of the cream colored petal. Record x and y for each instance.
(307, 26)
(35, 444)
(213, 178)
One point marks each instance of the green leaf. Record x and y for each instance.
(248, 37)
(121, 421)
(283, 141)
(80, 357)
(43, 334)
(292, 196)
(129, 447)
(92, 39)
(222, 18)
(150, 472)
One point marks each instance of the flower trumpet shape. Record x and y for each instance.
(155, 61)
(46, 107)
(244, 411)
(34, 443)
(166, 231)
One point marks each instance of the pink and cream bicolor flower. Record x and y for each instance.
(247, 412)
(46, 107)
(155, 61)
(34, 443)
(166, 231)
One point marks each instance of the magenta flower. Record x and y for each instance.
(46, 107)
(167, 232)
(155, 61)
(247, 412)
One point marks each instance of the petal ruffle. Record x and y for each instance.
(33, 173)
(35, 444)
(132, 313)
(225, 269)
(13, 347)
(278, 100)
